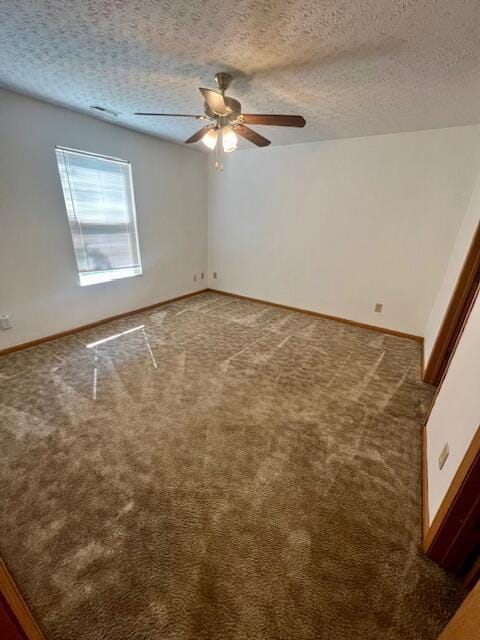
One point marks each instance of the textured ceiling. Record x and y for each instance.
(350, 67)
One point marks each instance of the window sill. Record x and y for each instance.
(97, 277)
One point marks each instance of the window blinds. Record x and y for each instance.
(98, 195)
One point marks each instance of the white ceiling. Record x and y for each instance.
(350, 67)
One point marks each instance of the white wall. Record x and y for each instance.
(331, 226)
(454, 266)
(456, 413)
(38, 281)
(455, 416)
(337, 226)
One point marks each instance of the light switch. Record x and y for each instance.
(443, 456)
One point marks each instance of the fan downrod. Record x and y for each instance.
(223, 80)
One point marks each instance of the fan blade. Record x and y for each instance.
(251, 136)
(199, 134)
(171, 115)
(278, 121)
(215, 101)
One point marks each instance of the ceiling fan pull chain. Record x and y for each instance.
(218, 153)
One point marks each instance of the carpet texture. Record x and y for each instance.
(224, 470)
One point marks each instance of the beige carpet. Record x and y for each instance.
(225, 470)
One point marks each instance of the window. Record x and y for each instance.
(98, 194)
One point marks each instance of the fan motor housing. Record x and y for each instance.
(223, 80)
(234, 109)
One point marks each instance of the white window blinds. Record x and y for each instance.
(98, 194)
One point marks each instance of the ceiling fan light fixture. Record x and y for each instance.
(225, 119)
(229, 139)
(210, 139)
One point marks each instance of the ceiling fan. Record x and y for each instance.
(226, 120)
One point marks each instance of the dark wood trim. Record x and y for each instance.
(465, 624)
(452, 353)
(455, 315)
(91, 325)
(453, 538)
(17, 606)
(425, 509)
(353, 323)
(9, 629)
(454, 533)
(473, 575)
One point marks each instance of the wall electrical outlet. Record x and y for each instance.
(5, 322)
(194, 277)
(202, 276)
(214, 275)
(443, 456)
(378, 307)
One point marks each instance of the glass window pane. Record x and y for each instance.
(98, 196)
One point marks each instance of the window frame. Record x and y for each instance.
(86, 278)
